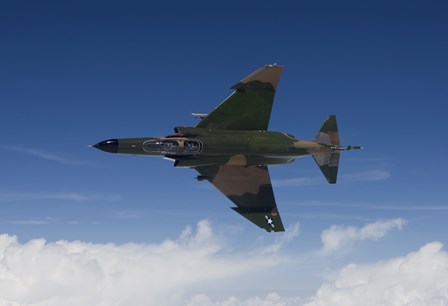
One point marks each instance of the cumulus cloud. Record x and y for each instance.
(176, 271)
(272, 299)
(417, 279)
(337, 237)
(67, 273)
(291, 232)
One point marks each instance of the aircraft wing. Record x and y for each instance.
(250, 189)
(249, 107)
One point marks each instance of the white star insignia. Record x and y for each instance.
(269, 221)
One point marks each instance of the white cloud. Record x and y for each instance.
(291, 232)
(176, 272)
(417, 279)
(337, 237)
(67, 273)
(272, 299)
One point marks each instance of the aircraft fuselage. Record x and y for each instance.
(192, 147)
(232, 148)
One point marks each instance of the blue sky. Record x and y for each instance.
(74, 73)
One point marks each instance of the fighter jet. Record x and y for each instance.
(232, 148)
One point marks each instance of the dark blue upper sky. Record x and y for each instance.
(73, 73)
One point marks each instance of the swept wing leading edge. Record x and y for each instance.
(249, 107)
(249, 187)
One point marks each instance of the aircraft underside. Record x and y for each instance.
(231, 148)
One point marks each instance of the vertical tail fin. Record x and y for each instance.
(328, 162)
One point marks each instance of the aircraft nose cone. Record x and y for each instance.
(110, 145)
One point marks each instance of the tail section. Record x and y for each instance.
(328, 133)
(328, 162)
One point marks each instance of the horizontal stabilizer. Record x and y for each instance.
(328, 133)
(328, 163)
(268, 219)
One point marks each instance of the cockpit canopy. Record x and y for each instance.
(172, 146)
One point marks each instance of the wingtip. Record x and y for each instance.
(266, 74)
(274, 65)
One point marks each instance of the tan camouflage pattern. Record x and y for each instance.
(328, 162)
(267, 74)
(328, 133)
(249, 107)
(234, 148)
(250, 189)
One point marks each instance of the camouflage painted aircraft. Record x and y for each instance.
(231, 148)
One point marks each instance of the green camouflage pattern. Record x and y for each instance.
(328, 162)
(231, 148)
(250, 189)
(249, 107)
